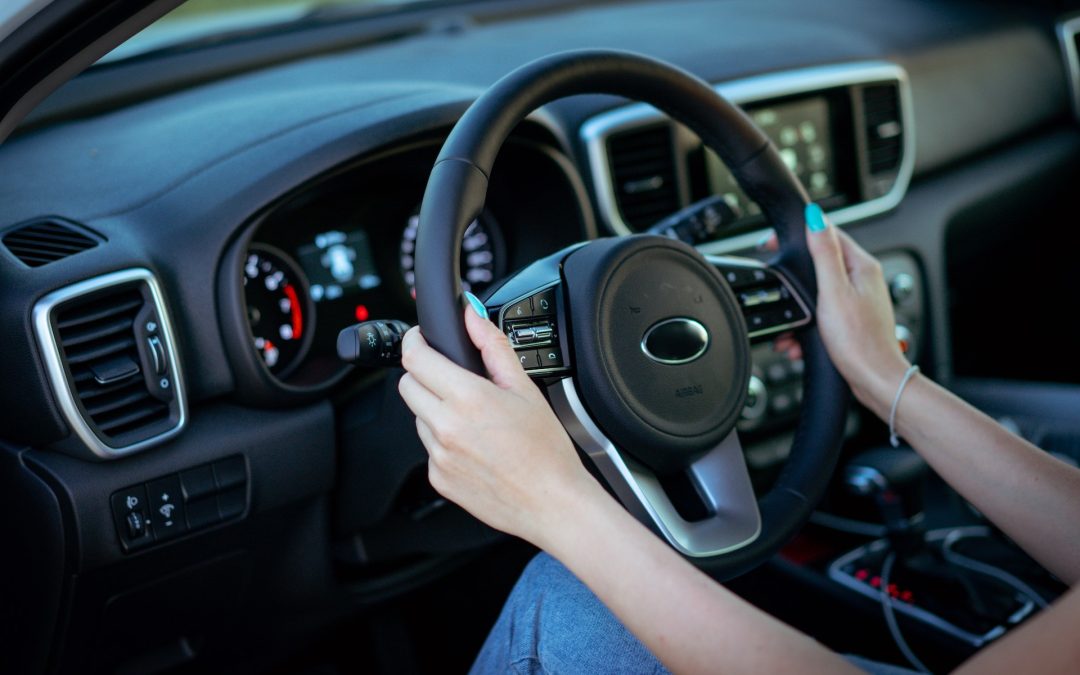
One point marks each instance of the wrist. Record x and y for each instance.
(570, 515)
(877, 387)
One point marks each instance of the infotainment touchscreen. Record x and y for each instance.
(801, 132)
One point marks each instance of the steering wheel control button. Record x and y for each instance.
(167, 508)
(529, 359)
(550, 357)
(130, 509)
(519, 310)
(544, 303)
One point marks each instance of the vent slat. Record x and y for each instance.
(884, 129)
(40, 243)
(136, 416)
(89, 389)
(644, 175)
(81, 335)
(94, 311)
(104, 348)
(105, 405)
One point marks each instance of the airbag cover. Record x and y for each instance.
(663, 414)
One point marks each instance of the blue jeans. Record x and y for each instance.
(552, 624)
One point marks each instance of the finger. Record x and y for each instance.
(769, 243)
(499, 358)
(421, 401)
(829, 266)
(859, 261)
(437, 373)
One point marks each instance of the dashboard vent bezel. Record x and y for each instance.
(90, 443)
(756, 89)
(1068, 31)
(47, 240)
(653, 145)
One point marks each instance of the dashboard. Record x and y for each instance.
(249, 214)
(340, 250)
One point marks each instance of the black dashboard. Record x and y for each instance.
(339, 250)
(258, 210)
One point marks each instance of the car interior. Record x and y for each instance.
(212, 240)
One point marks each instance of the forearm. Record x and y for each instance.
(1029, 494)
(691, 623)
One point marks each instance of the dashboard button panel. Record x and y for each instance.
(531, 324)
(169, 506)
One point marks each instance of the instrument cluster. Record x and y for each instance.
(342, 251)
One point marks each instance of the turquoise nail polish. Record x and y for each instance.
(815, 218)
(477, 306)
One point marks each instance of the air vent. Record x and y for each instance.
(643, 174)
(110, 358)
(884, 128)
(1069, 35)
(46, 241)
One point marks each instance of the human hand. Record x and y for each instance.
(495, 447)
(854, 314)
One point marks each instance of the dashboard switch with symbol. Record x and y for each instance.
(373, 344)
(166, 508)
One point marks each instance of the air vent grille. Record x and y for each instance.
(46, 241)
(884, 128)
(643, 174)
(97, 339)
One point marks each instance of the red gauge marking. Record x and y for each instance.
(294, 309)
(362, 313)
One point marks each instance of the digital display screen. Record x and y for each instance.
(802, 134)
(338, 263)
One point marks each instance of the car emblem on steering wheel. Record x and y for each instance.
(675, 341)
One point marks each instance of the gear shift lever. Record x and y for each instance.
(895, 479)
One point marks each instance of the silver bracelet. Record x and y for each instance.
(894, 440)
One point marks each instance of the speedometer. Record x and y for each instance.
(279, 309)
(481, 254)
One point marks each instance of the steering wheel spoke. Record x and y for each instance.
(770, 303)
(720, 479)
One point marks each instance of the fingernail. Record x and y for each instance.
(815, 218)
(477, 306)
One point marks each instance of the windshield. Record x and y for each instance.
(197, 20)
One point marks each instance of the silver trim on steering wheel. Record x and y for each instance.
(721, 478)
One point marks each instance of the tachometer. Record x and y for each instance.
(481, 254)
(279, 309)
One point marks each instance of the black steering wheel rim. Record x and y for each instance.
(457, 190)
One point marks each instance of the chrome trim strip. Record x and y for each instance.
(50, 350)
(837, 574)
(595, 131)
(1067, 30)
(721, 476)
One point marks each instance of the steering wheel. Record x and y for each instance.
(644, 342)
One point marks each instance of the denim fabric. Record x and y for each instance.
(552, 624)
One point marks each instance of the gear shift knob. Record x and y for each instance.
(895, 479)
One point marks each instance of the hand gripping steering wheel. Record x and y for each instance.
(643, 343)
